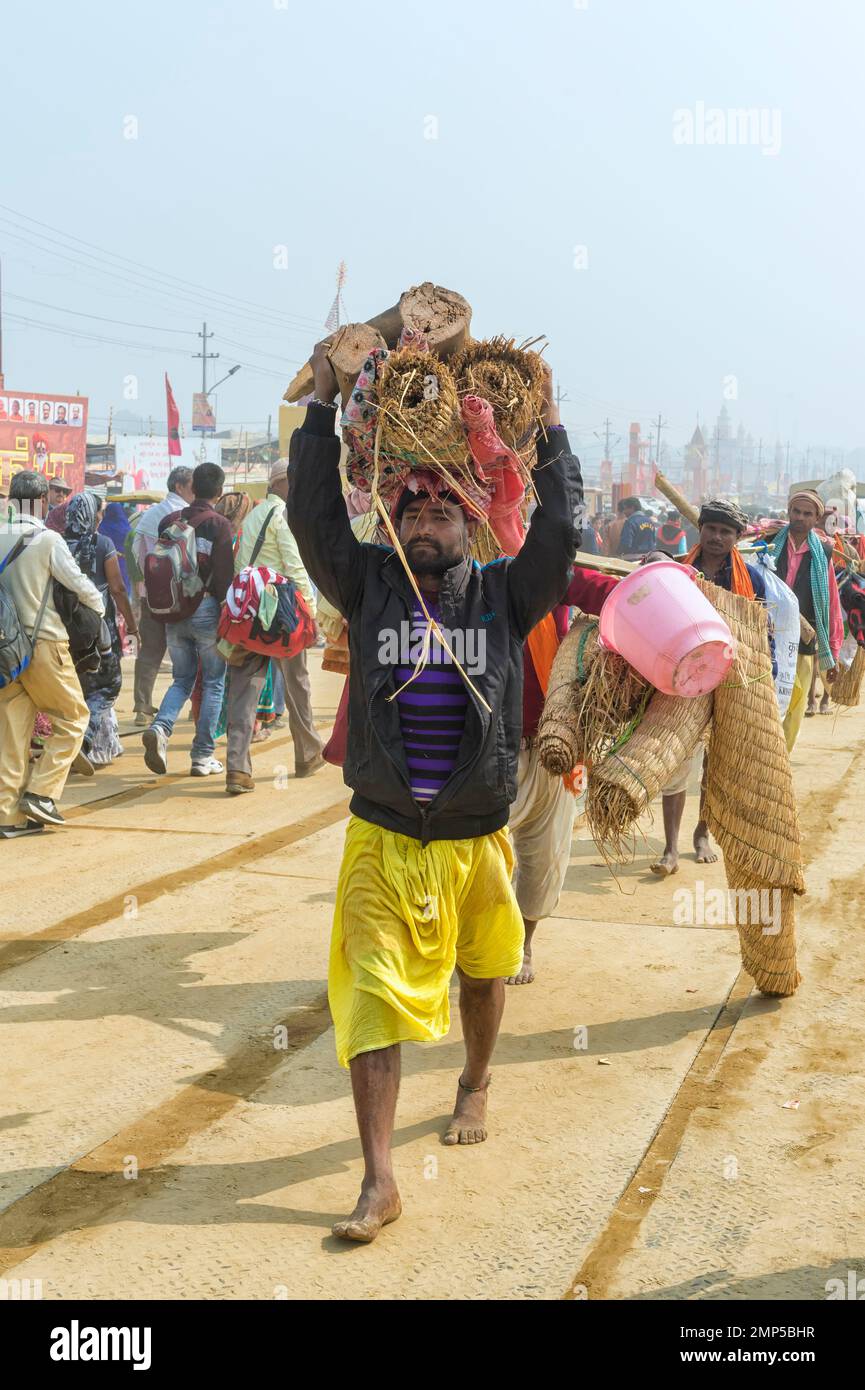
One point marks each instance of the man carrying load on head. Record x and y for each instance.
(804, 561)
(431, 757)
(715, 555)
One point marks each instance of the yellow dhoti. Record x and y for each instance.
(405, 916)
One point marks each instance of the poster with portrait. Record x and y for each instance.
(144, 460)
(45, 432)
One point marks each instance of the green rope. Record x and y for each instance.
(631, 728)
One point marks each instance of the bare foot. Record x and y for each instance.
(468, 1125)
(824, 705)
(811, 709)
(526, 974)
(703, 848)
(377, 1206)
(667, 864)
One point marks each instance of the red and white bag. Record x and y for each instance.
(291, 632)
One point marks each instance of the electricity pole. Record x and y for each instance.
(660, 424)
(760, 466)
(205, 355)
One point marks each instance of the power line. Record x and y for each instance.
(92, 337)
(161, 274)
(170, 292)
(256, 352)
(61, 309)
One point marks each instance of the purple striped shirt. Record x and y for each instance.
(432, 712)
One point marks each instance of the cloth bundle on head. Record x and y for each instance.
(79, 530)
(413, 338)
(358, 420)
(423, 482)
(498, 464)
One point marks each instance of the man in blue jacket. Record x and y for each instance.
(431, 757)
(638, 532)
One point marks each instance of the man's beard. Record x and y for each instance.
(434, 562)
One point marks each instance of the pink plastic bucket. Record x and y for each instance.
(661, 623)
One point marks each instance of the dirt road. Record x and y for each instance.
(174, 1124)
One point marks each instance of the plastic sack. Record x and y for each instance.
(783, 608)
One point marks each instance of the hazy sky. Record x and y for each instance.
(555, 196)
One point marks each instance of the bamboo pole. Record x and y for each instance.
(672, 494)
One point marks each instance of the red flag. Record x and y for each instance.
(174, 447)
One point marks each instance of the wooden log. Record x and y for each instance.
(443, 315)
(350, 345)
(389, 325)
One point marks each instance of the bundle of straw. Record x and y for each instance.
(750, 806)
(418, 411)
(484, 547)
(847, 687)
(630, 777)
(592, 699)
(767, 943)
(512, 380)
(560, 743)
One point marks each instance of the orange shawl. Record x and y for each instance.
(543, 642)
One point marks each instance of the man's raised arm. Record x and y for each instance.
(316, 510)
(538, 576)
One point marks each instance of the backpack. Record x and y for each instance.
(172, 585)
(16, 648)
(85, 628)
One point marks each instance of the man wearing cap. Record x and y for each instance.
(717, 559)
(59, 491)
(803, 559)
(431, 756)
(637, 536)
(279, 551)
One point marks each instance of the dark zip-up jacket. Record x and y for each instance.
(370, 588)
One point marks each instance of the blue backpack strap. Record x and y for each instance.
(14, 552)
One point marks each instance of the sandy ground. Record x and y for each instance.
(174, 1124)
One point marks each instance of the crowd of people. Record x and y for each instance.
(61, 551)
(458, 839)
(634, 529)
